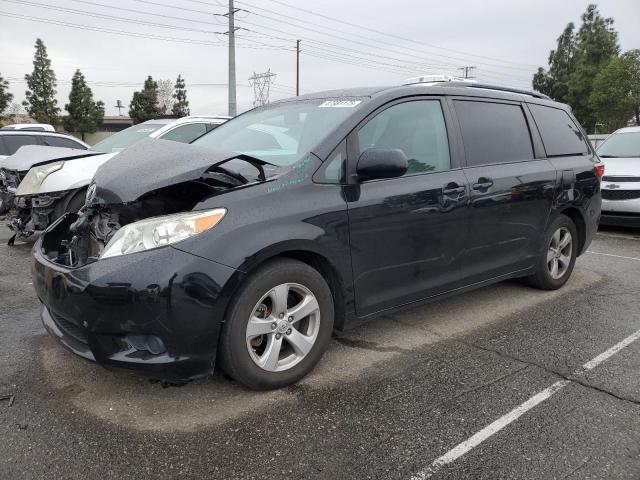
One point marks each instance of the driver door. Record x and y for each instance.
(407, 234)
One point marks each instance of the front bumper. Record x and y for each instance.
(175, 296)
(620, 219)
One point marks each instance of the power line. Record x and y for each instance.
(379, 32)
(124, 33)
(109, 17)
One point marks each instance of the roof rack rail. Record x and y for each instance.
(531, 93)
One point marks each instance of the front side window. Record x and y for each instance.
(623, 145)
(560, 135)
(185, 133)
(127, 137)
(14, 142)
(493, 132)
(417, 128)
(281, 134)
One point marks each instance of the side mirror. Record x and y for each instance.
(381, 163)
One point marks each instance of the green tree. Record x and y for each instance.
(596, 46)
(85, 115)
(41, 103)
(555, 81)
(181, 105)
(144, 104)
(615, 97)
(5, 95)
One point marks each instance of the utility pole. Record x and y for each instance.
(261, 83)
(468, 71)
(297, 67)
(232, 61)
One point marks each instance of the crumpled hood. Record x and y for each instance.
(148, 165)
(30, 155)
(624, 167)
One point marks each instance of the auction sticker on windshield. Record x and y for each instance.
(339, 104)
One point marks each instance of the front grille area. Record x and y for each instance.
(12, 178)
(612, 178)
(71, 329)
(620, 194)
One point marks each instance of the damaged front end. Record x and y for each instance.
(80, 238)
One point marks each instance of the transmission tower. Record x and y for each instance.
(261, 83)
(468, 71)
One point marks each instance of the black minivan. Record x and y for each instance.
(249, 246)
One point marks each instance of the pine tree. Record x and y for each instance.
(85, 115)
(555, 81)
(181, 105)
(5, 95)
(41, 103)
(144, 104)
(596, 46)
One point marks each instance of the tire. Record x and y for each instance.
(564, 258)
(247, 349)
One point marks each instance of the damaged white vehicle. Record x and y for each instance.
(48, 182)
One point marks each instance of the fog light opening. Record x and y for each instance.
(148, 343)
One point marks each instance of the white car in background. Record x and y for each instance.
(57, 179)
(33, 127)
(620, 153)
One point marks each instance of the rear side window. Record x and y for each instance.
(185, 133)
(559, 133)
(3, 149)
(61, 142)
(493, 132)
(14, 142)
(417, 128)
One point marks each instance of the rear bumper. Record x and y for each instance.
(165, 293)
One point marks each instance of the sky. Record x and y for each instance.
(118, 43)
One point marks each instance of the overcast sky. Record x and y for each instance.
(505, 39)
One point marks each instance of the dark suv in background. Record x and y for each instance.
(252, 244)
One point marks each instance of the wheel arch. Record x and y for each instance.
(578, 220)
(308, 253)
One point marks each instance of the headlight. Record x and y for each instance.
(160, 231)
(34, 178)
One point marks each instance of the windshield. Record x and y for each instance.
(621, 145)
(281, 134)
(127, 137)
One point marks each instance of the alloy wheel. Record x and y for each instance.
(283, 327)
(559, 253)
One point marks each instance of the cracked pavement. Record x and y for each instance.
(388, 399)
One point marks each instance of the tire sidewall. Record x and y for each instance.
(235, 357)
(543, 270)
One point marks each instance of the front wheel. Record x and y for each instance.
(278, 325)
(558, 256)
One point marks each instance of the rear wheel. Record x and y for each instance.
(558, 256)
(278, 325)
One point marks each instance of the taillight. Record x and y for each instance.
(599, 170)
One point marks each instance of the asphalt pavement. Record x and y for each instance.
(503, 382)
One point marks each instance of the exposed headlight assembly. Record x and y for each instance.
(160, 231)
(34, 178)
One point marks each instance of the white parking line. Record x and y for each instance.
(517, 412)
(612, 255)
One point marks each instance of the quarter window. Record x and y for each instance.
(417, 128)
(52, 141)
(493, 132)
(559, 133)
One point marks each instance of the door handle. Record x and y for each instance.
(482, 184)
(452, 189)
